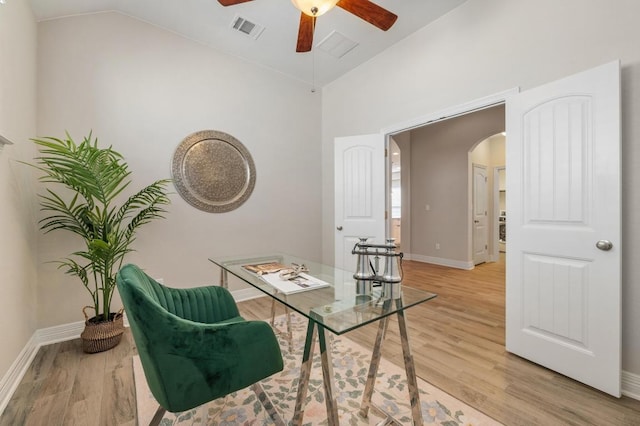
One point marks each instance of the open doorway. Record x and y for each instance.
(437, 223)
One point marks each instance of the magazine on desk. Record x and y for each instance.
(302, 282)
(270, 272)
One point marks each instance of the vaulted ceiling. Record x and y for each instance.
(208, 22)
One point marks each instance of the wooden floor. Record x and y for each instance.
(457, 340)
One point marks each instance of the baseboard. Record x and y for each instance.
(246, 294)
(630, 385)
(14, 375)
(59, 333)
(459, 264)
(41, 337)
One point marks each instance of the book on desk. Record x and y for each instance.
(271, 273)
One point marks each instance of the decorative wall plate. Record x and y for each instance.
(213, 171)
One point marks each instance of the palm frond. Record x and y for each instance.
(154, 194)
(96, 176)
(72, 216)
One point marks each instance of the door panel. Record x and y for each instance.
(563, 294)
(555, 289)
(559, 150)
(359, 194)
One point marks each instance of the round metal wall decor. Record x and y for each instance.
(213, 171)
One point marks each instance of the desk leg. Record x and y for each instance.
(289, 333)
(273, 312)
(328, 378)
(410, 368)
(305, 372)
(373, 368)
(224, 280)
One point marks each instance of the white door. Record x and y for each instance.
(359, 194)
(479, 213)
(563, 276)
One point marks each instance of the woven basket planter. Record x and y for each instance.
(101, 336)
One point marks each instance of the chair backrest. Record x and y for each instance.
(142, 297)
(200, 304)
(193, 344)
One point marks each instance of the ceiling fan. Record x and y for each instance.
(311, 9)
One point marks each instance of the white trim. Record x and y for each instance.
(630, 384)
(458, 264)
(16, 372)
(41, 337)
(451, 112)
(58, 333)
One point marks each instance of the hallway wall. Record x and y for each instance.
(440, 178)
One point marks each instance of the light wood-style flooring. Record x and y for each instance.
(457, 340)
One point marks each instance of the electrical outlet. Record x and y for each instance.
(437, 246)
(427, 207)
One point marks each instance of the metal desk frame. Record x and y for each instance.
(327, 367)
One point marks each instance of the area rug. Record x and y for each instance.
(351, 363)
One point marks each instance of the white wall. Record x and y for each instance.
(142, 90)
(17, 202)
(484, 47)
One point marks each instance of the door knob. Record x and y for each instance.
(604, 245)
(339, 228)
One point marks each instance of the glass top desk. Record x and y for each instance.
(339, 309)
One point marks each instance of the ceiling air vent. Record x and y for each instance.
(247, 27)
(336, 44)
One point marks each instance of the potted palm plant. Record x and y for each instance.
(83, 186)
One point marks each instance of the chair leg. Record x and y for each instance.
(157, 416)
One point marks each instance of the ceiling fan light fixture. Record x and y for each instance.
(314, 7)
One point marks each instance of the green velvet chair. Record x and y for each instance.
(194, 345)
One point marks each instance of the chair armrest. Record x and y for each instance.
(213, 360)
(230, 342)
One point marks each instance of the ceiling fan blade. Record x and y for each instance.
(305, 33)
(370, 12)
(231, 2)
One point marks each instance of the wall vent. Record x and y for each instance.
(247, 27)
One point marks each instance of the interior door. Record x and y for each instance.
(359, 194)
(480, 218)
(563, 264)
